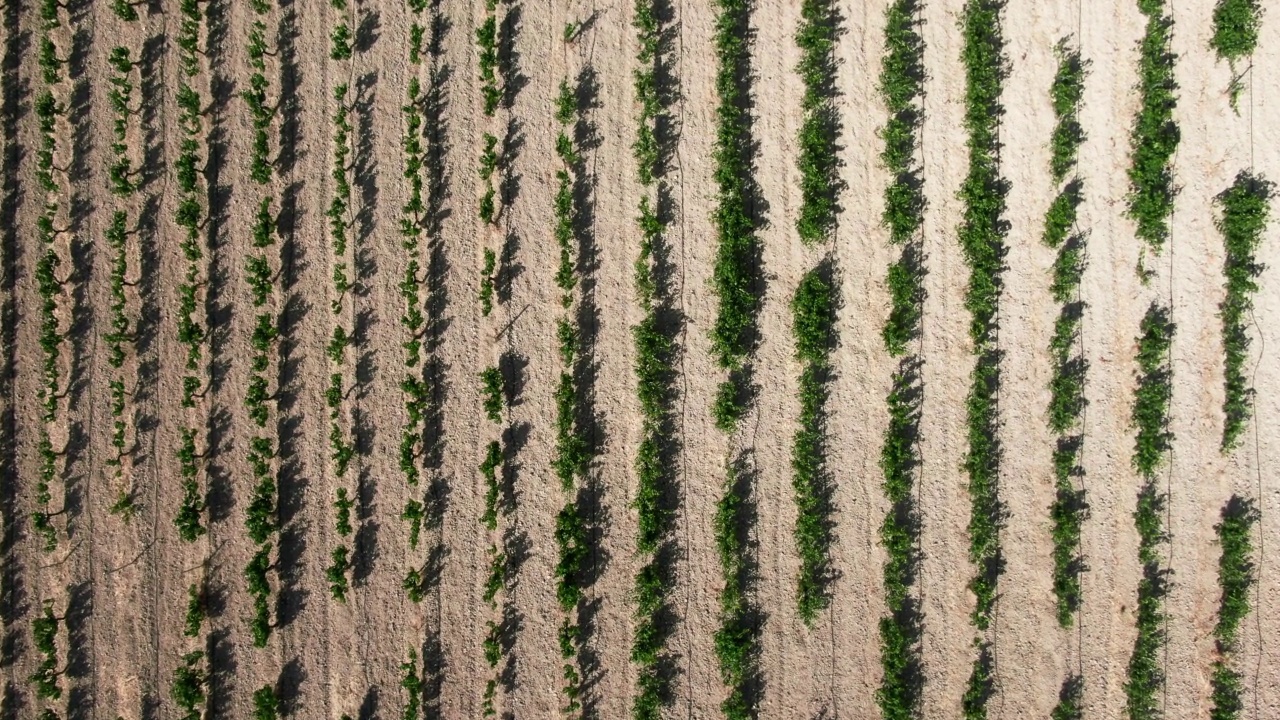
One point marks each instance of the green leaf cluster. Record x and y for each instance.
(735, 278)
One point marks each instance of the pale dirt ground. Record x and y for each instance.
(343, 659)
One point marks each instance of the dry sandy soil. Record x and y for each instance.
(125, 584)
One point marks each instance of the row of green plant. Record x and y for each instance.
(49, 282)
(1237, 575)
(189, 688)
(571, 459)
(1151, 419)
(814, 304)
(1066, 387)
(981, 234)
(736, 284)
(737, 640)
(813, 327)
(1155, 135)
(124, 183)
(901, 88)
(1245, 210)
(487, 46)
(818, 157)
(655, 356)
(1235, 36)
(262, 275)
(190, 217)
(414, 388)
(735, 278)
(342, 447)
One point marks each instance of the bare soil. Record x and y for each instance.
(123, 585)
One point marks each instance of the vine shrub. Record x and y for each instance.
(901, 88)
(1066, 387)
(735, 277)
(1237, 575)
(1155, 135)
(1246, 207)
(1235, 36)
(813, 326)
(818, 153)
(1151, 418)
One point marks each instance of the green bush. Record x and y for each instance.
(1246, 207)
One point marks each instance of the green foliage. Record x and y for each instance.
(487, 42)
(266, 705)
(1237, 573)
(413, 685)
(980, 687)
(655, 356)
(496, 579)
(493, 389)
(341, 42)
(1070, 700)
(260, 518)
(574, 551)
(818, 152)
(124, 10)
(1155, 135)
(196, 611)
(336, 573)
(489, 468)
(188, 518)
(1246, 207)
(343, 504)
(487, 280)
